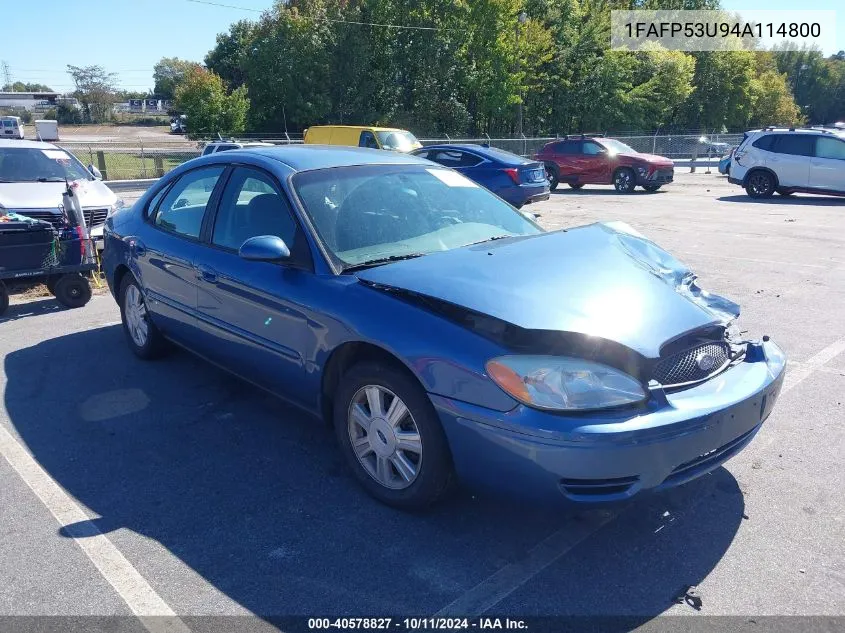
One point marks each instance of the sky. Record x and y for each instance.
(128, 37)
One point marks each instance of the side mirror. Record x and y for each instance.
(95, 172)
(264, 248)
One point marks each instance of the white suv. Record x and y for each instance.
(789, 160)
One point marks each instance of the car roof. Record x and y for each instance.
(492, 153)
(24, 144)
(307, 157)
(375, 128)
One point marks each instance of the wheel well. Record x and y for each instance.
(119, 274)
(552, 166)
(344, 357)
(618, 169)
(765, 169)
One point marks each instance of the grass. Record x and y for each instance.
(131, 166)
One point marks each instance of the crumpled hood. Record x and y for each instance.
(651, 159)
(48, 195)
(603, 280)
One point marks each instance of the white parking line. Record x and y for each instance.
(130, 585)
(803, 370)
(511, 577)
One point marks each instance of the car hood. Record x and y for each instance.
(602, 280)
(651, 159)
(47, 195)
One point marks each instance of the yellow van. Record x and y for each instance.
(362, 136)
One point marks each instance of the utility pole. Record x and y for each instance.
(521, 19)
(7, 74)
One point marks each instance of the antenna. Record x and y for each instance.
(7, 74)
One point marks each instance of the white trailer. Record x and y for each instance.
(47, 130)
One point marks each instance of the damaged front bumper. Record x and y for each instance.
(615, 454)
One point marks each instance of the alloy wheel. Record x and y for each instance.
(384, 437)
(136, 316)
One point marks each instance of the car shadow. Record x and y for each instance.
(253, 496)
(797, 199)
(586, 190)
(31, 308)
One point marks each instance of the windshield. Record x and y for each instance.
(27, 164)
(376, 212)
(617, 147)
(398, 140)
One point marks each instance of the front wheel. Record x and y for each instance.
(391, 437)
(143, 336)
(576, 185)
(760, 184)
(4, 298)
(624, 180)
(651, 188)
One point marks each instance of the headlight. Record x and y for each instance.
(556, 382)
(117, 206)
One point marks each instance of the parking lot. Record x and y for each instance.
(172, 488)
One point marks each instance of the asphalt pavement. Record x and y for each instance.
(171, 488)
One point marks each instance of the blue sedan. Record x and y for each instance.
(518, 180)
(443, 334)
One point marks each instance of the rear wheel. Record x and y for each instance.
(72, 290)
(651, 187)
(552, 176)
(760, 184)
(143, 336)
(624, 180)
(391, 437)
(576, 185)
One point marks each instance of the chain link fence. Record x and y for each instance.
(129, 161)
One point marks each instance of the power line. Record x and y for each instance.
(384, 26)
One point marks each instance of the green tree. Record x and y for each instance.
(772, 100)
(168, 73)
(20, 86)
(723, 90)
(228, 57)
(95, 89)
(663, 81)
(202, 97)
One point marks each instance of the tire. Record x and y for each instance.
(624, 180)
(428, 471)
(576, 185)
(760, 184)
(552, 175)
(651, 188)
(72, 290)
(144, 338)
(4, 298)
(51, 284)
(785, 192)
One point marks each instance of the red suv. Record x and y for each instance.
(596, 160)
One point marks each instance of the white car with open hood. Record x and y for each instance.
(33, 176)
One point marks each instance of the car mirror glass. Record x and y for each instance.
(264, 248)
(95, 172)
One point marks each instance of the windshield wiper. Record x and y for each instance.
(50, 179)
(381, 260)
(490, 239)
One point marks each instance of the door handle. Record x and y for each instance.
(207, 274)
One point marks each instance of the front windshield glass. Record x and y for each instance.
(376, 212)
(26, 164)
(617, 147)
(398, 140)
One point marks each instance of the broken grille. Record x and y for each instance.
(692, 365)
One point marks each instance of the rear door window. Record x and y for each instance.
(183, 207)
(795, 144)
